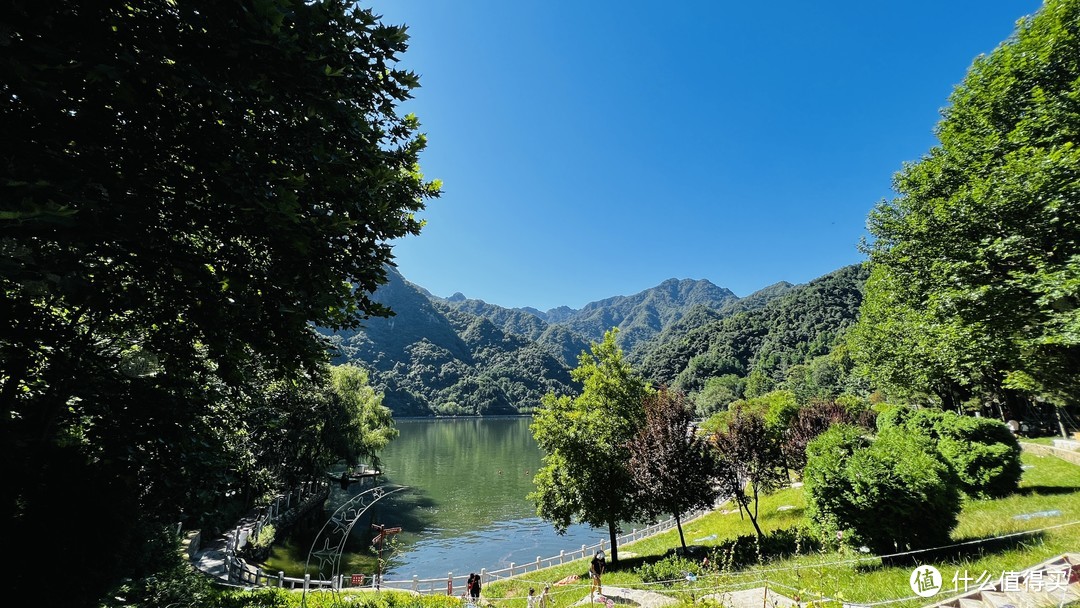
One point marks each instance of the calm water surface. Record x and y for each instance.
(466, 506)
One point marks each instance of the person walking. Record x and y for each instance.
(545, 601)
(596, 569)
(474, 590)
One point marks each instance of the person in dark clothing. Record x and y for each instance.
(474, 587)
(596, 568)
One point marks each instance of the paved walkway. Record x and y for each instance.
(619, 596)
(753, 598)
(747, 598)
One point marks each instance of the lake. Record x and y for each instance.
(466, 507)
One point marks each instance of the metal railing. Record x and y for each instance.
(247, 574)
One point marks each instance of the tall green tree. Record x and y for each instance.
(975, 285)
(185, 188)
(365, 425)
(673, 466)
(586, 440)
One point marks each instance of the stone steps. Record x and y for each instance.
(1051, 583)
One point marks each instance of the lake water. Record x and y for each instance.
(466, 507)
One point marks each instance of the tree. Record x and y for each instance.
(974, 288)
(752, 450)
(813, 420)
(757, 383)
(187, 188)
(718, 393)
(672, 466)
(365, 425)
(586, 439)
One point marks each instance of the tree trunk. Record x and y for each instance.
(753, 520)
(678, 524)
(613, 535)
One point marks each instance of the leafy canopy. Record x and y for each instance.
(975, 287)
(585, 439)
(187, 187)
(672, 465)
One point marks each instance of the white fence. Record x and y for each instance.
(451, 584)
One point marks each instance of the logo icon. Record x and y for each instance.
(925, 581)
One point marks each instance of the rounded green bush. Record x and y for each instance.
(982, 453)
(891, 494)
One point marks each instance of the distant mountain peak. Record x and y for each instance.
(457, 297)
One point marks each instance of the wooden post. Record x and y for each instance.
(280, 579)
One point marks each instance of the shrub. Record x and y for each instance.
(892, 415)
(982, 453)
(893, 493)
(743, 551)
(669, 570)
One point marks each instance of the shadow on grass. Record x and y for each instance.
(972, 549)
(1047, 490)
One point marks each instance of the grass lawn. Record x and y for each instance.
(1048, 485)
(1047, 440)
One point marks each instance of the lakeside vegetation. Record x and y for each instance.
(808, 571)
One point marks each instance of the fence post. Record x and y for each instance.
(483, 576)
(562, 553)
(280, 579)
(307, 582)
(449, 583)
(511, 568)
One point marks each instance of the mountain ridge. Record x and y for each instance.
(464, 356)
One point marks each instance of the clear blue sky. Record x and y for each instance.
(595, 148)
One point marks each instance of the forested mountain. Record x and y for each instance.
(639, 317)
(801, 323)
(434, 358)
(465, 356)
(644, 315)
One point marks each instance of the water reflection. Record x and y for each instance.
(466, 508)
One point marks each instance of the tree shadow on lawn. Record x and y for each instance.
(1047, 490)
(973, 548)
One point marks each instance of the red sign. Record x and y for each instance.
(357, 580)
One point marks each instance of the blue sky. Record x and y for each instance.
(595, 148)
